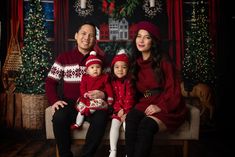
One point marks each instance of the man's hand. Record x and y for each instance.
(57, 105)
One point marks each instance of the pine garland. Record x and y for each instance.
(125, 10)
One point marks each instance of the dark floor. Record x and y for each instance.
(33, 144)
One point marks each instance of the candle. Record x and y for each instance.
(83, 4)
(152, 3)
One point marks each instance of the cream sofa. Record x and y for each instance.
(188, 131)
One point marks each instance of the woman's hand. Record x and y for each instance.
(95, 94)
(152, 109)
(57, 105)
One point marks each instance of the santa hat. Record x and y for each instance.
(92, 59)
(150, 27)
(120, 56)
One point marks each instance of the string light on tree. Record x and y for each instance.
(199, 61)
(36, 56)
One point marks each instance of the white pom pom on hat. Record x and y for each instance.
(93, 53)
(121, 56)
(92, 59)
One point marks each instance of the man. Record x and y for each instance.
(69, 68)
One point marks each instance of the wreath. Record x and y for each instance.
(84, 11)
(152, 11)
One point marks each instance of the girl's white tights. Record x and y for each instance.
(113, 136)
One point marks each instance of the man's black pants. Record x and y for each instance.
(62, 120)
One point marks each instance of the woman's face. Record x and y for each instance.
(143, 41)
(85, 38)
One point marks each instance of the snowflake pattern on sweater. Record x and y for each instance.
(68, 67)
(71, 73)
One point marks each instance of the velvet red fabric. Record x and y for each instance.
(213, 23)
(175, 31)
(21, 21)
(61, 18)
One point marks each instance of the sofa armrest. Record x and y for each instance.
(194, 121)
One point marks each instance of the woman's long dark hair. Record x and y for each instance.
(156, 56)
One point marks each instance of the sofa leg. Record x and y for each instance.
(57, 151)
(185, 148)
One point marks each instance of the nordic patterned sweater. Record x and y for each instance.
(68, 67)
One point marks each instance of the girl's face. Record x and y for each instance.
(120, 69)
(94, 70)
(143, 41)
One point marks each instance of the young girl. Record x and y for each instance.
(93, 80)
(123, 96)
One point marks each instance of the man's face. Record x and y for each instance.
(85, 38)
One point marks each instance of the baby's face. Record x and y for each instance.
(120, 69)
(94, 70)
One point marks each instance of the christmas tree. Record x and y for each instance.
(36, 55)
(199, 61)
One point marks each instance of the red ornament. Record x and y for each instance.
(111, 7)
(104, 6)
(108, 6)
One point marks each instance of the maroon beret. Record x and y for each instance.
(150, 27)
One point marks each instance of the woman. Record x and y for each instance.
(159, 106)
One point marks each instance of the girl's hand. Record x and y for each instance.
(120, 113)
(123, 117)
(152, 109)
(95, 94)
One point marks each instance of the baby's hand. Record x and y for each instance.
(95, 94)
(86, 95)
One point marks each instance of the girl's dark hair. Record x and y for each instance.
(87, 23)
(156, 57)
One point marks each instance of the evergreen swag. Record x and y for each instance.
(199, 60)
(126, 9)
(36, 56)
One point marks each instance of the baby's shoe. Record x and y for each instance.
(75, 126)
